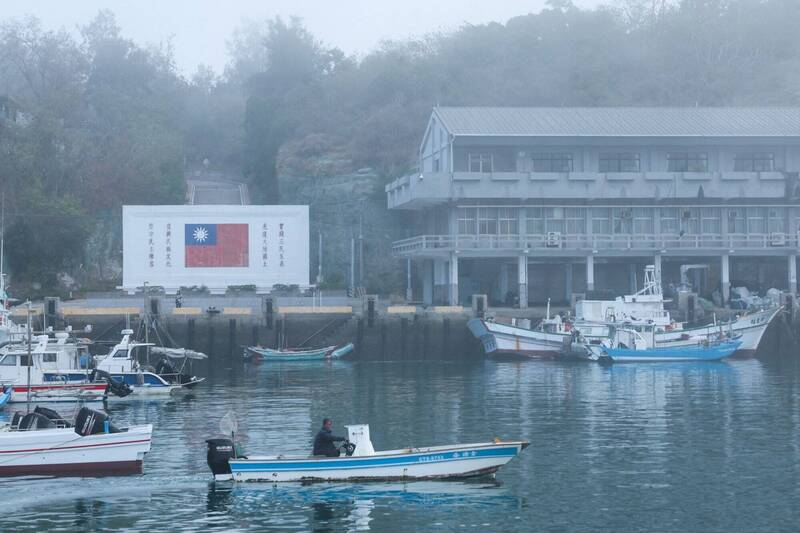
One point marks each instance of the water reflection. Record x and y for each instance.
(706, 446)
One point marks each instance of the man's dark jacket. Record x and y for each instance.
(323, 443)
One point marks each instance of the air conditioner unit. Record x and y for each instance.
(777, 239)
(553, 239)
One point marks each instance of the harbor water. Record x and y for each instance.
(656, 447)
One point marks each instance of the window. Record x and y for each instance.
(601, 220)
(48, 358)
(710, 222)
(756, 220)
(9, 360)
(777, 220)
(754, 162)
(467, 221)
(737, 220)
(534, 220)
(669, 220)
(619, 162)
(552, 162)
(554, 219)
(623, 220)
(121, 354)
(576, 220)
(487, 220)
(25, 360)
(508, 221)
(480, 162)
(687, 162)
(643, 220)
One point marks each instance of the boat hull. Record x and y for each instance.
(442, 462)
(322, 354)
(505, 340)
(750, 328)
(679, 354)
(62, 452)
(59, 392)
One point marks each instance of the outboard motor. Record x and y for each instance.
(52, 415)
(91, 422)
(220, 451)
(115, 387)
(359, 436)
(33, 421)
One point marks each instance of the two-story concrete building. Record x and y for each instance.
(526, 204)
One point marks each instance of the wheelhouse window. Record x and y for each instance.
(48, 358)
(121, 354)
(754, 162)
(687, 162)
(480, 162)
(553, 162)
(9, 360)
(25, 360)
(620, 162)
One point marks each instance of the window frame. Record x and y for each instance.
(683, 161)
(552, 162)
(753, 161)
(615, 162)
(481, 158)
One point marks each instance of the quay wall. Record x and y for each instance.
(421, 335)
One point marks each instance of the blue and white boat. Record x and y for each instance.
(257, 353)
(704, 350)
(363, 463)
(124, 364)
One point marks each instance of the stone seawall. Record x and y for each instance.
(384, 338)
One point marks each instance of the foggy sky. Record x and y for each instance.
(199, 28)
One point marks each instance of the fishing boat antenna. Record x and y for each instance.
(30, 360)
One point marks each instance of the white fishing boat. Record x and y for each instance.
(42, 443)
(643, 311)
(124, 363)
(49, 371)
(363, 463)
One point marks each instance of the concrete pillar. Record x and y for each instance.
(427, 282)
(568, 282)
(793, 274)
(725, 275)
(632, 278)
(590, 273)
(522, 276)
(409, 291)
(502, 282)
(453, 279)
(439, 281)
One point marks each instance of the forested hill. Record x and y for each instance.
(93, 121)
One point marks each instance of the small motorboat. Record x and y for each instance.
(363, 463)
(123, 364)
(44, 443)
(257, 353)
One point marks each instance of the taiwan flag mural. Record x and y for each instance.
(216, 245)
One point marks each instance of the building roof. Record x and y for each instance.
(621, 121)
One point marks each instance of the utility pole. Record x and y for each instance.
(352, 262)
(319, 259)
(361, 245)
(409, 292)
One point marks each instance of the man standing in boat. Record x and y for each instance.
(324, 441)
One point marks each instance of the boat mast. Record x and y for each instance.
(30, 360)
(2, 250)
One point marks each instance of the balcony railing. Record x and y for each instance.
(597, 243)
